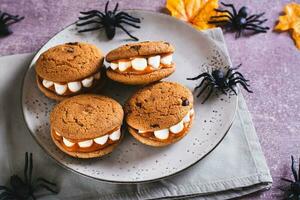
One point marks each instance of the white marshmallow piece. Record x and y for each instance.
(60, 89)
(177, 128)
(101, 140)
(154, 61)
(114, 66)
(115, 135)
(67, 142)
(47, 83)
(192, 111)
(74, 86)
(139, 64)
(85, 144)
(57, 133)
(162, 134)
(167, 60)
(140, 131)
(124, 65)
(186, 118)
(97, 76)
(87, 82)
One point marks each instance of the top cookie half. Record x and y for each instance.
(69, 62)
(146, 48)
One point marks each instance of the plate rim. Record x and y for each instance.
(96, 178)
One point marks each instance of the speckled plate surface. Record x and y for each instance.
(132, 161)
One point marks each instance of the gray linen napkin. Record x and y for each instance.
(235, 168)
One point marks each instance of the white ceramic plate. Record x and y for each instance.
(132, 161)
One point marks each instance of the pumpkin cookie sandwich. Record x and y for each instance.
(141, 63)
(160, 114)
(87, 126)
(69, 69)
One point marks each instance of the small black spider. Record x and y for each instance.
(109, 20)
(220, 80)
(239, 21)
(5, 21)
(293, 193)
(23, 190)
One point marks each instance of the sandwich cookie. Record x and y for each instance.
(160, 114)
(87, 126)
(141, 63)
(69, 69)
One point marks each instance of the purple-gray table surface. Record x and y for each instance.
(271, 61)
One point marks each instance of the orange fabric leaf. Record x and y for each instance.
(290, 21)
(196, 12)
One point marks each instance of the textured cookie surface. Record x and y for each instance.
(158, 106)
(133, 79)
(86, 116)
(140, 49)
(69, 62)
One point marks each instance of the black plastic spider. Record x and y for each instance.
(293, 193)
(239, 21)
(109, 20)
(5, 21)
(220, 80)
(22, 190)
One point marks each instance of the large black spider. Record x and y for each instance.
(293, 193)
(223, 81)
(109, 20)
(22, 190)
(5, 21)
(239, 21)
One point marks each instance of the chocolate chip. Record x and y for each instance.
(136, 47)
(138, 104)
(185, 102)
(154, 125)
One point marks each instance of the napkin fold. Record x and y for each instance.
(236, 167)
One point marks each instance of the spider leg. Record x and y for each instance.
(230, 86)
(123, 17)
(231, 6)
(238, 34)
(106, 6)
(208, 95)
(88, 22)
(45, 181)
(244, 86)
(130, 24)
(91, 16)
(30, 168)
(218, 22)
(116, 8)
(202, 90)
(287, 180)
(221, 16)
(199, 76)
(42, 185)
(256, 30)
(4, 15)
(12, 21)
(90, 29)
(26, 167)
(236, 73)
(202, 82)
(257, 21)
(127, 15)
(93, 12)
(224, 11)
(256, 26)
(241, 79)
(121, 27)
(294, 169)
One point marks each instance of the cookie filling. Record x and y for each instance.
(88, 145)
(174, 131)
(142, 65)
(70, 87)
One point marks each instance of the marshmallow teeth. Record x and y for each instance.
(87, 82)
(74, 86)
(68, 143)
(124, 65)
(177, 128)
(60, 89)
(167, 60)
(114, 66)
(162, 134)
(115, 135)
(154, 61)
(101, 140)
(139, 64)
(47, 84)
